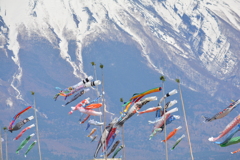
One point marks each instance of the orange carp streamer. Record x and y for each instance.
(171, 134)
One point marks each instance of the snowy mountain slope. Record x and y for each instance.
(193, 31)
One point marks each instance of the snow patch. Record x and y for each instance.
(9, 102)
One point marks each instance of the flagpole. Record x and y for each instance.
(6, 141)
(95, 75)
(185, 119)
(162, 78)
(1, 154)
(104, 115)
(35, 113)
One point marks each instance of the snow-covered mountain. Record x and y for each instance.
(48, 43)
(197, 38)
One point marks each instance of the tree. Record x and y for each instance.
(121, 100)
(93, 64)
(162, 78)
(185, 119)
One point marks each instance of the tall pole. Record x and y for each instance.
(35, 113)
(185, 119)
(1, 154)
(95, 75)
(6, 141)
(162, 78)
(104, 114)
(123, 143)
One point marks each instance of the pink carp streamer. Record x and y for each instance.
(229, 127)
(89, 112)
(24, 130)
(149, 110)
